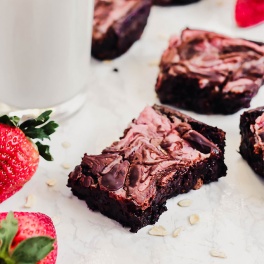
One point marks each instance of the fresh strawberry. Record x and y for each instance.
(249, 12)
(19, 155)
(28, 238)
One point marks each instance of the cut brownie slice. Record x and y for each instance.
(210, 73)
(174, 2)
(252, 138)
(162, 153)
(117, 25)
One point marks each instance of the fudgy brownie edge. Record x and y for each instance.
(210, 73)
(248, 147)
(123, 208)
(122, 32)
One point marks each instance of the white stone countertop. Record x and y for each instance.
(231, 210)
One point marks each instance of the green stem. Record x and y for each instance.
(6, 260)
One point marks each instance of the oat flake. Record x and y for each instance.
(194, 219)
(158, 231)
(51, 182)
(153, 63)
(66, 144)
(29, 201)
(217, 254)
(66, 166)
(185, 203)
(177, 231)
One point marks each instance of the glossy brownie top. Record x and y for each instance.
(153, 147)
(214, 59)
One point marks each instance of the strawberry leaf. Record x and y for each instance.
(44, 151)
(40, 120)
(11, 121)
(38, 128)
(32, 250)
(8, 230)
(36, 133)
(44, 117)
(50, 127)
(42, 132)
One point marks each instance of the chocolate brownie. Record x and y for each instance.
(174, 2)
(162, 153)
(210, 73)
(252, 138)
(117, 25)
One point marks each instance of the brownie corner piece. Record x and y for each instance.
(161, 154)
(252, 138)
(117, 24)
(210, 73)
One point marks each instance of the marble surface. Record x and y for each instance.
(231, 210)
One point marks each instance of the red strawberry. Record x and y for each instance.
(249, 12)
(27, 238)
(19, 156)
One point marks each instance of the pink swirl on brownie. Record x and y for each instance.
(117, 25)
(252, 138)
(161, 154)
(224, 72)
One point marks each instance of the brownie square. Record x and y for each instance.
(252, 138)
(162, 153)
(117, 25)
(174, 2)
(210, 73)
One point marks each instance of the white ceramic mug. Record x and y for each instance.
(44, 54)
